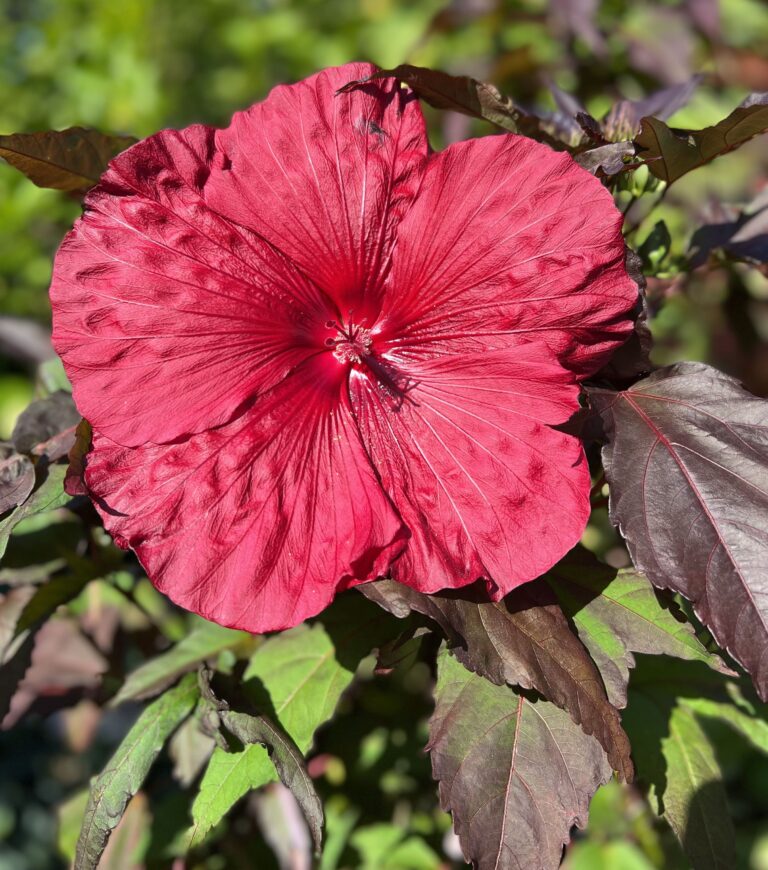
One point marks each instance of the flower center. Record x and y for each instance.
(351, 343)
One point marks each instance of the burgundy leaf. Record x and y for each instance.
(515, 772)
(524, 640)
(44, 420)
(624, 118)
(673, 153)
(742, 235)
(606, 159)
(687, 465)
(17, 478)
(71, 160)
(468, 96)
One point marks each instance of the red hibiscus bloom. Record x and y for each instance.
(314, 352)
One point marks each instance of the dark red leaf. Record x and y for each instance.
(687, 465)
(71, 160)
(17, 478)
(524, 640)
(515, 772)
(43, 421)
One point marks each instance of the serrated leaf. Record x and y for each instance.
(752, 728)
(70, 160)
(288, 762)
(207, 639)
(687, 465)
(468, 96)
(673, 153)
(515, 773)
(127, 769)
(677, 759)
(48, 496)
(303, 673)
(524, 640)
(618, 613)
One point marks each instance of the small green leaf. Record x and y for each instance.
(48, 496)
(70, 160)
(206, 640)
(127, 769)
(303, 673)
(288, 762)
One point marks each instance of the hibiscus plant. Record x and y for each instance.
(341, 395)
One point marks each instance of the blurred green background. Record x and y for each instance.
(135, 66)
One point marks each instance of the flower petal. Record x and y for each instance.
(258, 524)
(167, 316)
(510, 239)
(486, 488)
(325, 177)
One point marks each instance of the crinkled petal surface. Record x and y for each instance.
(326, 178)
(167, 316)
(259, 523)
(313, 352)
(465, 451)
(510, 240)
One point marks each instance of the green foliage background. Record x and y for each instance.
(136, 66)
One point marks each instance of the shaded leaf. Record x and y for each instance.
(676, 758)
(618, 613)
(465, 95)
(606, 159)
(189, 749)
(48, 496)
(71, 160)
(625, 117)
(673, 153)
(12, 604)
(524, 640)
(515, 773)
(17, 478)
(299, 676)
(687, 465)
(127, 769)
(742, 235)
(207, 639)
(74, 481)
(44, 419)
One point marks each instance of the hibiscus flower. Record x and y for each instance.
(315, 352)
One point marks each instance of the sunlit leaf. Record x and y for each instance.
(618, 613)
(673, 153)
(298, 676)
(207, 639)
(524, 640)
(687, 465)
(71, 160)
(515, 772)
(127, 769)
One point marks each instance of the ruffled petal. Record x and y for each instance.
(167, 316)
(465, 451)
(508, 240)
(326, 177)
(258, 524)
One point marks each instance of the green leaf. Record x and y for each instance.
(676, 758)
(516, 773)
(524, 640)
(47, 497)
(673, 153)
(298, 677)
(70, 160)
(127, 769)
(618, 613)
(752, 728)
(288, 762)
(207, 639)
(387, 847)
(468, 96)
